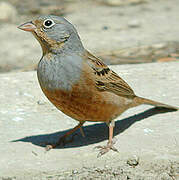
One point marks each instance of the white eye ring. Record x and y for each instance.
(48, 23)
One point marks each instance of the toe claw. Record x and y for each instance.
(101, 153)
(98, 147)
(49, 147)
(104, 149)
(114, 149)
(62, 141)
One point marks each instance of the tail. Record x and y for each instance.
(140, 100)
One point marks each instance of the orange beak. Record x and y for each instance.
(29, 26)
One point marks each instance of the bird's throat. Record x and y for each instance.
(49, 46)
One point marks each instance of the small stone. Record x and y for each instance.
(159, 46)
(17, 119)
(8, 12)
(105, 27)
(164, 176)
(133, 161)
(74, 171)
(40, 102)
(122, 2)
(134, 24)
(114, 2)
(106, 166)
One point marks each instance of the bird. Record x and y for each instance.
(78, 83)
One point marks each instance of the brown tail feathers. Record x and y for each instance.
(140, 100)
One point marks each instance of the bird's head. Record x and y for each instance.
(54, 34)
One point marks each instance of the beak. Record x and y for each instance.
(29, 26)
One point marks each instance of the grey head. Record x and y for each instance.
(55, 34)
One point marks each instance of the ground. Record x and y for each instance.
(146, 32)
(146, 138)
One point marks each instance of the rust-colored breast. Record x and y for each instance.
(85, 102)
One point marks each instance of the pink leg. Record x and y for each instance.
(62, 140)
(110, 143)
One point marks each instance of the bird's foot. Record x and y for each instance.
(104, 149)
(62, 141)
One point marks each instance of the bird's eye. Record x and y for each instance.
(48, 23)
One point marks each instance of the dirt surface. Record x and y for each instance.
(120, 32)
(146, 138)
(146, 32)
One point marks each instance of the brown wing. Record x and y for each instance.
(108, 80)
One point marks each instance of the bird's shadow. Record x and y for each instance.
(93, 133)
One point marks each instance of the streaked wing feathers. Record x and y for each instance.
(108, 80)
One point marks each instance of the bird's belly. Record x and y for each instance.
(87, 106)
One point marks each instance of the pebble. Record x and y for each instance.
(74, 171)
(122, 2)
(40, 102)
(133, 161)
(17, 119)
(105, 27)
(164, 176)
(134, 23)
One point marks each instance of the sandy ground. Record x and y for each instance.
(102, 29)
(146, 138)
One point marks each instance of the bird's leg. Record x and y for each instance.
(62, 140)
(110, 143)
(82, 132)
